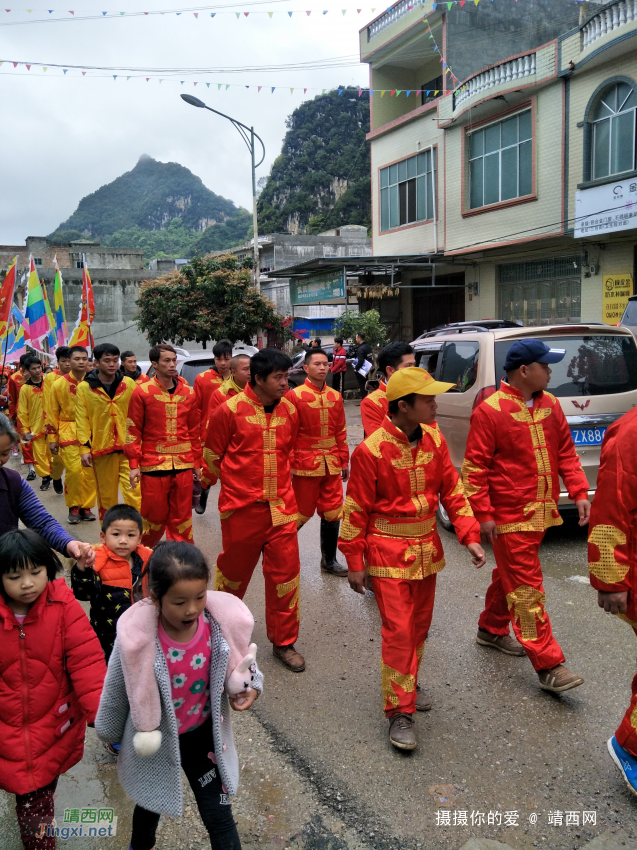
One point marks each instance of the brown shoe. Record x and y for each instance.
(504, 643)
(423, 700)
(401, 732)
(559, 679)
(289, 657)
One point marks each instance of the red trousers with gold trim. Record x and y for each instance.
(247, 534)
(27, 452)
(516, 596)
(406, 607)
(626, 734)
(167, 506)
(322, 493)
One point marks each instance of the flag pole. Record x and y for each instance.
(9, 317)
(91, 341)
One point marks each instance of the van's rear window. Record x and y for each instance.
(593, 365)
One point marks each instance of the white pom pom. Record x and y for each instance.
(147, 743)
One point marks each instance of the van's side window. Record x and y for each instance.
(428, 359)
(460, 364)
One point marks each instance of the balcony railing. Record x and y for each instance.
(391, 16)
(514, 69)
(608, 19)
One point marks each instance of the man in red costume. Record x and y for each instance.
(612, 544)
(207, 383)
(248, 446)
(16, 382)
(395, 356)
(321, 455)
(519, 444)
(163, 448)
(389, 533)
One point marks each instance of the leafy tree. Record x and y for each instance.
(325, 154)
(208, 299)
(369, 323)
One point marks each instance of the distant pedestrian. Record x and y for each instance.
(363, 363)
(130, 369)
(168, 692)
(52, 673)
(519, 446)
(316, 342)
(338, 366)
(612, 545)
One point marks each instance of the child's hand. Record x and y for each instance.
(242, 702)
(83, 553)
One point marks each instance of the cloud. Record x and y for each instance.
(65, 136)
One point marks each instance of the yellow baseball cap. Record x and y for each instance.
(414, 380)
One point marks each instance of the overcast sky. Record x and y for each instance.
(64, 136)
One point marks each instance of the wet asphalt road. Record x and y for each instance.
(319, 769)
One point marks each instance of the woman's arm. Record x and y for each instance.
(35, 516)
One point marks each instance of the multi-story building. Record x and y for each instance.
(517, 180)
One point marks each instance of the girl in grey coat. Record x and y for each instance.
(204, 637)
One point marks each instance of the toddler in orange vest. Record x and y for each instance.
(115, 581)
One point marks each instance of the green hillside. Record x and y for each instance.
(322, 177)
(160, 207)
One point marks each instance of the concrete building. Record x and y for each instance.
(515, 184)
(116, 275)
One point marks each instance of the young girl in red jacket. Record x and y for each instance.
(51, 674)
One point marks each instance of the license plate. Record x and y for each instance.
(588, 436)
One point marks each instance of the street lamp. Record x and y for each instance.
(248, 135)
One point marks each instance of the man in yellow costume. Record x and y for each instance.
(31, 419)
(100, 418)
(79, 481)
(63, 368)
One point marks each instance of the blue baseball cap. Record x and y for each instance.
(523, 352)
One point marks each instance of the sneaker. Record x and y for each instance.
(86, 515)
(31, 475)
(504, 643)
(402, 733)
(74, 516)
(113, 749)
(423, 700)
(626, 762)
(289, 657)
(46, 482)
(559, 679)
(58, 486)
(203, 501)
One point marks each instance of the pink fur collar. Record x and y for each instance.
(137, 634)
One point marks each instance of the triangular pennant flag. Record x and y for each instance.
(476, 2)
(178, 13)
(194, 84)
(246, 14)
(358, 11)
(182, 82)
(212, 14)
(360, 91)
(28, 67)
(393, 93)
(106, 13)
(114, 76)
(308, 14)
(290, 14)
(344, 11)
(71, 13)
(398, 91)
(15, 64)
(436, 92)
(407, 93)
(208, 84)
(128, 78)
(259, 89)
(304, 91)
(83, 73)
(462, 2)
(371, 92)
(147, 79)
(247, 87)
(196, 14)
(291, 91)
(273, 87)
(238, 14)
(340, 92)
(227, 86)
(450, 5)
(162, 80)
(323, 91)
(64, 70)
(270, 14)
(325, 11)
(44, 67)
(218, 86)
(122, 13)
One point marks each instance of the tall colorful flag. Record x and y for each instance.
(82, 331)
(52, 335)
(16, 340)
(6, 298)
(61, 329)
(35, 312)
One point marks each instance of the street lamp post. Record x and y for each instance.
(248, 135)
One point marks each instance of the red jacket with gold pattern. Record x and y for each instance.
(389, 522)
(15, 383)
(162, 430)
(250, 451)
(514, 458)
(205, 385)
(321, 443)
(612, 540)
(374, 409)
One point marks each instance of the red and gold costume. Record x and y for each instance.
(249, 450)
(320, 451)
(16, 382)
(57, 467)
(389, 527)
(31, 419)
(514, 457)
(101, 432)
(223, 392)
(79, 481)
(205, 385)
(374, 409)
(163, 440)
(612, 541)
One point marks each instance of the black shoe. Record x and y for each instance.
(329, 542)
(74, 516)
(58, 486)
(46, 482)
(203, 501)
(31, 476)
(86, 515)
